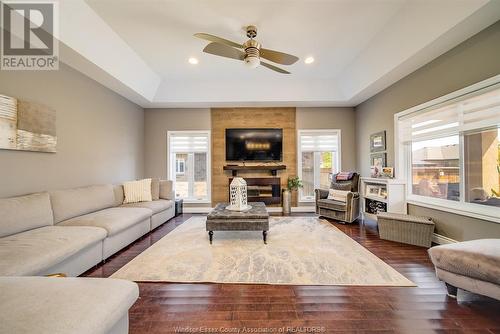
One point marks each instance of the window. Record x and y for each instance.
(180, 165)
(319, 159)
(449, 151)
(189, 156)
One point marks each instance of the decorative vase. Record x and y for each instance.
(238, 191)
(287, 201)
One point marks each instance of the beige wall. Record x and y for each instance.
(99, 133)
(474, 60)
(333, 118)
(157, 122)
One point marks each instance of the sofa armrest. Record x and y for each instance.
(320, 193)
(167, 190)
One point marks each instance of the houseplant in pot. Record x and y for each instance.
(293, 184)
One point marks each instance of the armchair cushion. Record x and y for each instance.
(338, 195)
(332, 204)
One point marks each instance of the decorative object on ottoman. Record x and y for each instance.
(470, 265)
(238, 192)
(254, 219)
(178, 207)
(345, 211)
(404, 228)
(293, 184)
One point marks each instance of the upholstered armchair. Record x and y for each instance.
(345, 212)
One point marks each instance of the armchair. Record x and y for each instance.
(345, 212)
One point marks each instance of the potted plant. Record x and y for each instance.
(293, 184)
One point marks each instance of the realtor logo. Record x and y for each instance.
(29, 31)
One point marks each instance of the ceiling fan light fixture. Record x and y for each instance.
(252, 61)
(309, 60)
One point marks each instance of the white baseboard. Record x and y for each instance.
(194, 209)
(271, 209)
(442, 240)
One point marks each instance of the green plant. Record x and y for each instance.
(294, 183)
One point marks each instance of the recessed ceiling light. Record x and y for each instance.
(193, 61)
(309, 60)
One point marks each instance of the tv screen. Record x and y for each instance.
(254, 144)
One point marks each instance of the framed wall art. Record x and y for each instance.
(377, 142)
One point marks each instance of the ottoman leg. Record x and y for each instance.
(210, 236)
(264, 235)
(452, 290)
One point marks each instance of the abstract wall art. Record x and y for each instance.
(26, 126)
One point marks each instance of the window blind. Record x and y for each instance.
(188, 143)
(327, 141)
(469, 112)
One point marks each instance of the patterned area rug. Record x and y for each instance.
(299, 251)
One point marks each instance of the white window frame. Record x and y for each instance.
(403, 162)
(178, 164)
(190, 163)
(338, 166)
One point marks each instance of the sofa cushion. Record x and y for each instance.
(331, 204)
(63, 305)
(119, 194)
(25, 213)
(155, 189)
(70, 203)
(137, 191)
(31, 252)
(113, 220)
(478, 259)
(155, 206)
(167, 189)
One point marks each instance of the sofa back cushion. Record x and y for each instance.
(167, 189)
(119, 194)
(25, 213)
(70, 203)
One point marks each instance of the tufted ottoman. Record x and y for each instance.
(470, 265)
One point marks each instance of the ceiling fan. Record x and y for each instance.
(250, 52)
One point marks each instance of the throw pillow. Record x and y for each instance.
(137, 191)
(155, 189)
(338, 195)
(341, 186)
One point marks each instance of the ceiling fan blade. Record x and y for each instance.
(274, 68)
(278, 57)
(224, 51)
(216, 39)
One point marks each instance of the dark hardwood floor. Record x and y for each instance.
(229, 308)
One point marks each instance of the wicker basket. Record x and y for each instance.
(407, 229)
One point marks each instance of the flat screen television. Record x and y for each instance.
(254, 144)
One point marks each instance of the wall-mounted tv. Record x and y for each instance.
(254, 144)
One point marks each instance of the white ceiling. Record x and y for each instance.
(141, 48)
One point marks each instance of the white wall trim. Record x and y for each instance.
(196, 209)
(442, 240)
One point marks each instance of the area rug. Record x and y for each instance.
(299, 251)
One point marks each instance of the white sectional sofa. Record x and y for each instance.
(69, 231)
(46, 305)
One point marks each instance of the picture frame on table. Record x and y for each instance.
(378, 142)
(372, 190)
(388, 172)
(379, 160)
